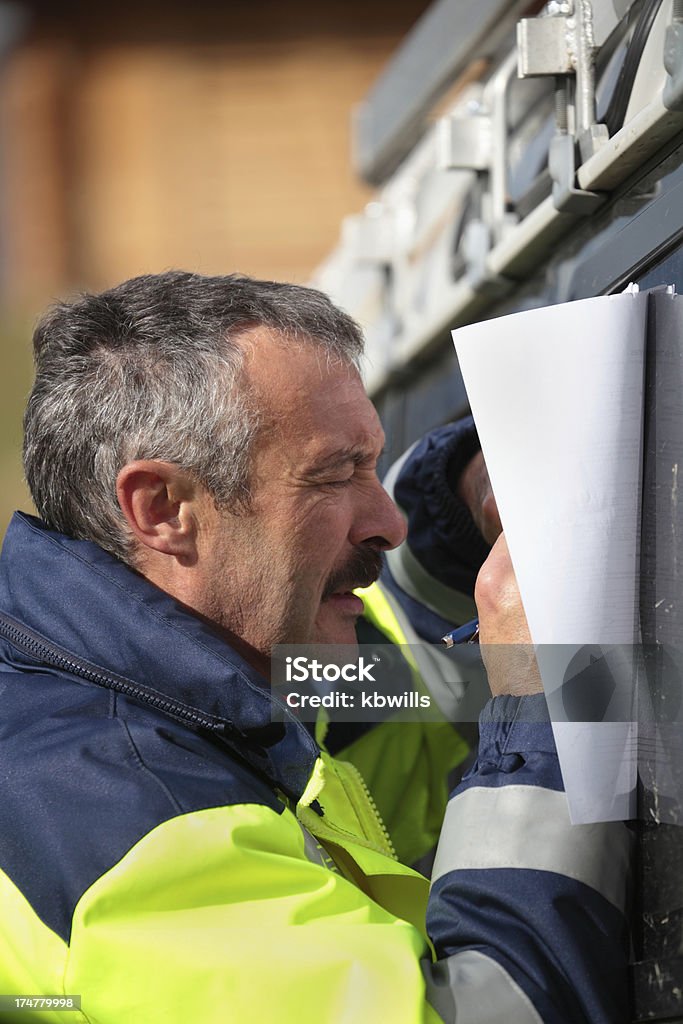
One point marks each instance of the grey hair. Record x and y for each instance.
(152, 369)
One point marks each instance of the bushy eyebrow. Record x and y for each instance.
(356, 454)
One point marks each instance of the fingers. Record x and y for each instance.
(499, 603)
(474, 489)
(503, 629)
(490, 525)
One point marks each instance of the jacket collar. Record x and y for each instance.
(93, 606)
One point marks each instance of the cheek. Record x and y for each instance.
(304, 537)
(319, 546)
(322, 523)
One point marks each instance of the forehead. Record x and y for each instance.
(307, 401)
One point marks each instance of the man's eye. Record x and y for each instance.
(339, 483)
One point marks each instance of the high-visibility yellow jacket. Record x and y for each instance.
(170, 853)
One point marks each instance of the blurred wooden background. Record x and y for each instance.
(140, 136)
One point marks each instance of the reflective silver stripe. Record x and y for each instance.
(470, 988)
(459, 690)
(412, 577)
(529, 827)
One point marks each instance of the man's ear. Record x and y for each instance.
(159, 501)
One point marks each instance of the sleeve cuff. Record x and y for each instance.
(506, 708)
(515, 725)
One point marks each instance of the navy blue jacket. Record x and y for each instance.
(121, 710)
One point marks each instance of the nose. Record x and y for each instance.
(379, 521)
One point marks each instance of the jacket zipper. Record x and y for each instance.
(373, 821)
(42, 650)
(374, 831)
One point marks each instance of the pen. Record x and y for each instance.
(467, 634)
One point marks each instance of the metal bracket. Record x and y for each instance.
(373, 234)
(476, 246)
(563, 45)
(566, 197)
(673, 62)
(465, 143)
(478, 142)
(546, 46)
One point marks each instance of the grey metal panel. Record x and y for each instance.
(436, 395)
(448, 36)
(656, 228)
(657, 975)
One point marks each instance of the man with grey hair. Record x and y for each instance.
(203, 457)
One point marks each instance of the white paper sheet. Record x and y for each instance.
(557, 397)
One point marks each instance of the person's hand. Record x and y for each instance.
(503, 630)
(474, 489)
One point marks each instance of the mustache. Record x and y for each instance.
(362, 569)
